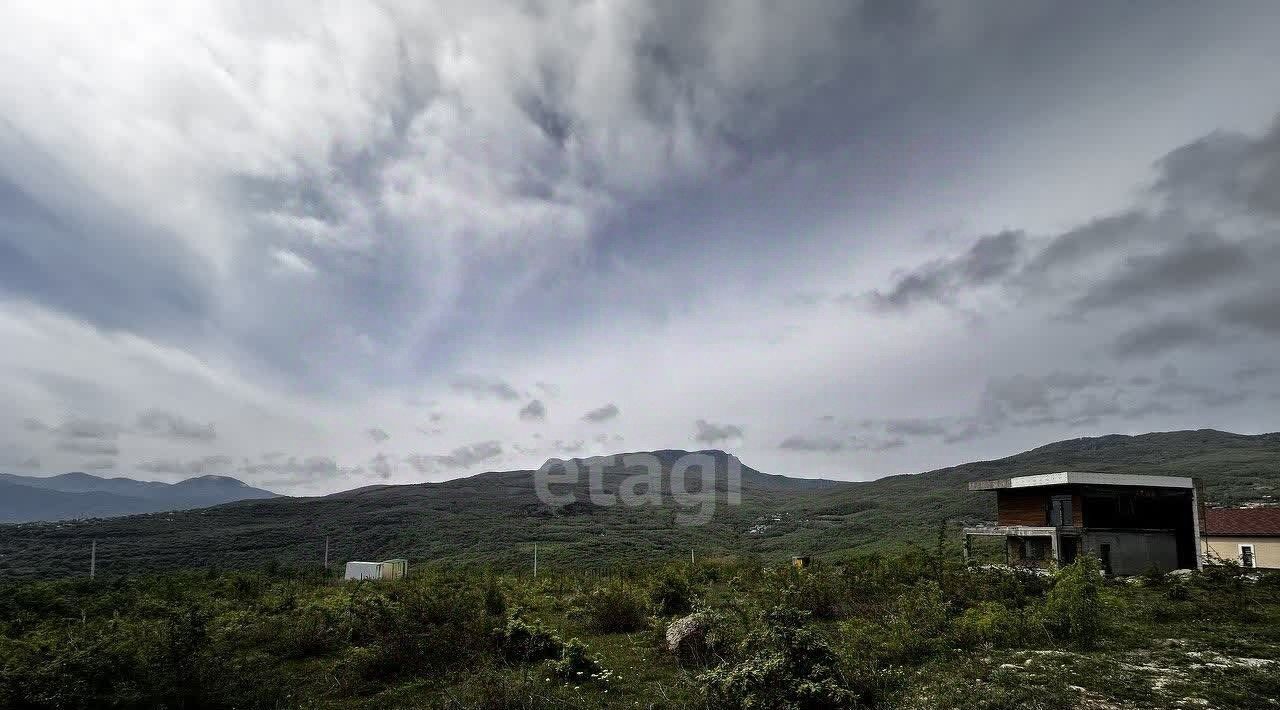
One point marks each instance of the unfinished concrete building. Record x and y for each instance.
(1131, 523)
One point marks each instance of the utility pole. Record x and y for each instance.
(535, 560)
(326, 553)
(93, 560)
(691, 562)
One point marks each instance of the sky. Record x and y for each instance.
(323, 245)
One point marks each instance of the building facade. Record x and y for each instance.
(1247, 536)
(1131, 523)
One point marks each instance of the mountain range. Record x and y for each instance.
(494, 519)
(82, 495)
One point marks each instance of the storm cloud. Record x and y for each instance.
(534, 410)
(955, 230)
(169, 425)
(602, 414)
(706, 432)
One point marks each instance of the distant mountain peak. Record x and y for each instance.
(77, 476)
(81, 495)
(214, 478)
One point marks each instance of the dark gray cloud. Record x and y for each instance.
(1164, 335)
(602, 414)
(204, 465)
(292, 470)
(34, 425)
(462, 457)
(378, 435)
(1149, 409)
(824, 444)
(1259, 311)
(569, 447)
(103, 464)
(915, 427)
(865, 444)
(1194, 262)
(168, 425)
(1174, 387)
(65, 246)
(83, 428)
(1256, 371)
(1189, 254)
(535, 410)
(707, 433)
(989, 259)
(1226, 169)
(382, 465)
(90, 447)
(1082, 244)
(485, 388)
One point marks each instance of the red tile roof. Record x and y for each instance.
(1242, 521)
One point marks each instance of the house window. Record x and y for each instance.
(1246, 557)
(1036, 548)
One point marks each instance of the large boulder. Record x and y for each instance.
(687, 636)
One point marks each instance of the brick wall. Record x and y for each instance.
(1022, 508)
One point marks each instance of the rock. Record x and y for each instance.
(687, 636)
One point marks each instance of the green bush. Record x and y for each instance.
(616, 607)
(1076, 608)
(522, 641)
(783, 664)
(818, 590)
(990, 624)
(919, 624)
(577, 665)
(672, 593)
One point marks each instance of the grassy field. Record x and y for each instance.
(495, 518)
(910, 631)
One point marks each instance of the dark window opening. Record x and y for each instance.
(1246, 556)
(1070, 546)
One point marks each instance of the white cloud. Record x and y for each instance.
(267, 227)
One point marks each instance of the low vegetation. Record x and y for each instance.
(496, 518)
(915, 630)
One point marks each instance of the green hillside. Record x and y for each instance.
(496, 518)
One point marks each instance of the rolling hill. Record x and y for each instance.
(495, 518)
(81, 495)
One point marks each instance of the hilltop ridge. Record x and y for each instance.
(494, 518)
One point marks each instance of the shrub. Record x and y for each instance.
(989, 623)
(817, 590)
(918, 626)
(672, 593)
(577, 665)
(782, 664)
(1075, 609)
(522, 641)
(495, 604)
(616, 607)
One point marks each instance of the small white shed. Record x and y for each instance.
(364, 570)
(390, 569)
